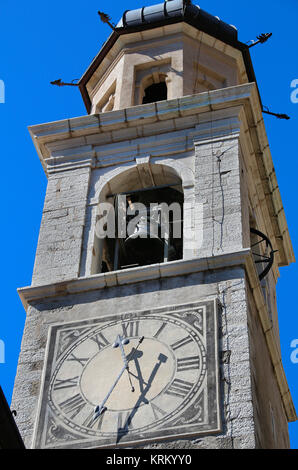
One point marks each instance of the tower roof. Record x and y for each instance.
(178, 10)
(162, 14)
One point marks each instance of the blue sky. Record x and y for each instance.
(44, 41)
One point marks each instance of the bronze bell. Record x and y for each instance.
(144, 246)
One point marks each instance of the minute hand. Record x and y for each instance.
(122, 350)
(100, 408)
(120, 341)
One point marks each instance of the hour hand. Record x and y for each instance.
(98, 410)
(120, 342)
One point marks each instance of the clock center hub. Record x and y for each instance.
(151, 368)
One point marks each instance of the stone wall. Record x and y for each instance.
(226, 285)
(59, 245)
(271, 426)
(211, 150)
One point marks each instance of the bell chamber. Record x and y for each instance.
(149, 228)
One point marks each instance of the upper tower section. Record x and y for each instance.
(164, 51)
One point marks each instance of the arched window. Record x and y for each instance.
(152, 87)
(155, 92)
(140, 225)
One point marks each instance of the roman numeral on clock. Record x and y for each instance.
(188, 363)
(130, 329)
(80, 360)
(160, 330)
(72, 406)
(124, 422)
(65, 383)
(100, 340)
(179, 388)
(92, 423)
(181, 342)
(158, 412)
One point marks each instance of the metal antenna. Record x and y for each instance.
(60, 83)
(279, 116)
(106, 19)
(261, 39)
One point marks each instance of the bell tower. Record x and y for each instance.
(151, 317)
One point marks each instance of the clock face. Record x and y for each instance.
(130, 378)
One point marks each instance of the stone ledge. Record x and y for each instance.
(142, 115)
(130, 276)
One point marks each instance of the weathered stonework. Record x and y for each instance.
(143, 296)
(214, 145)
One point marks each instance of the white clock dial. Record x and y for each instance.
(128, 377)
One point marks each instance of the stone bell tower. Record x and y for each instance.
(167, 339)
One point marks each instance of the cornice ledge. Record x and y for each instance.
(81, 127)
(129, 276)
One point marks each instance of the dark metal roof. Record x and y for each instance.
(177, 9)
(169, 12)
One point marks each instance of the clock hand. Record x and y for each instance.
(142, 398)
(134, 351)
(120, 342)
(101, 408)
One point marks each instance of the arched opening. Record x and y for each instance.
(155, 92)
(139, 224)
(153, 87)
